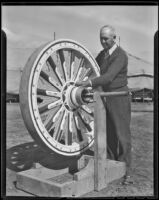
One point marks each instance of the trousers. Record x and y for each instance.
(118, 118)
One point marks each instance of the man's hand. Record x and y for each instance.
(84, 83)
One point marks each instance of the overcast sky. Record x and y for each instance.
(29, 26)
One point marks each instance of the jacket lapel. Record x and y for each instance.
(111, 57)
(106, 60)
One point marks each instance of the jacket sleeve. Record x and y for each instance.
(113, 70)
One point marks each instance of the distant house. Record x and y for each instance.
(13, 82)
(142, 95)
(140, 79)
(12, 98)
(141, 87)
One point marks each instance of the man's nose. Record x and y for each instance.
(103, 41)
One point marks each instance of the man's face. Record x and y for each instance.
(106, 38)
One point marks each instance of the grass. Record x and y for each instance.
(142, 107)
(142, 153)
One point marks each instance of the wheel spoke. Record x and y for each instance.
(58, 113)
(69, 136)
(64, 120)
(87, 118)
(74, 129)
(57, 130)
(48, 93)
(64, 126)
(62, 60)
(72, 63)
(81, 126)
(87, 110)
(46, 99)
(79, 133)
(41, 80)
(49, 119)
(69, 64)
(85, 75)
(53, 66)
(84, 121)
(47, 106)
(79, 73)
(79, 69)
(65, 65)
(49, 80)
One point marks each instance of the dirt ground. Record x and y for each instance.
(20, 154)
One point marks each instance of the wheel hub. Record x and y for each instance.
(72, 96)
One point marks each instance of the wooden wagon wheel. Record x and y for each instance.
(51, 105)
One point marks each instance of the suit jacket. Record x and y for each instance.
(113, 70)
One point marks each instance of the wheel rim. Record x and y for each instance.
(63, 124)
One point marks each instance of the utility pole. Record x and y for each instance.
(119, 41)
(54, 35)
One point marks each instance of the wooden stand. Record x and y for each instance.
(94, 172)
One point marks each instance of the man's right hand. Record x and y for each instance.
(83, 83)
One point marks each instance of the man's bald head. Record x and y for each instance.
(107, 36)
(109, 30)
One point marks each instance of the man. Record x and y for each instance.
(113, 62)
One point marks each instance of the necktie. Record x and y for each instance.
(106, 55)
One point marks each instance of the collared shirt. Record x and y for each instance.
(112, 49)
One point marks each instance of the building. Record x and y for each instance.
(12, 98)
(140, 80)
(140, 73)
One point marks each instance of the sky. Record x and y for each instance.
(31, 26)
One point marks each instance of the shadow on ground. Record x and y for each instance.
(23, 157)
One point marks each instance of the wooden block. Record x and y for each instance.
(83, 186)
(36, 186)
(33, 180)
(115, 170)
(43, 172)
(57, 186)
(83, 161)
(60, 183)
(85, 172)
(36, 165)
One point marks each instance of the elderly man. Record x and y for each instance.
(113, 62)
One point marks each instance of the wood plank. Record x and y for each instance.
(100, 143)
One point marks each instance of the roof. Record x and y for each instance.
(139, 66)
(141, 82)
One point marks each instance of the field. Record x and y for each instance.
(21, 148)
